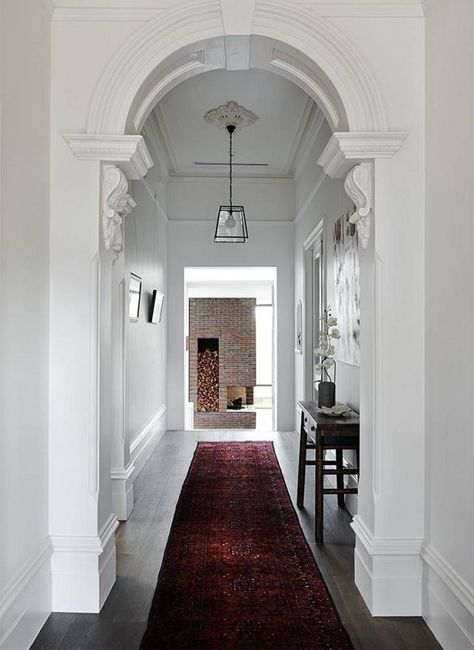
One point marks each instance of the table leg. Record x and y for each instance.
(301, 465)
(340, 478)
(319, 487)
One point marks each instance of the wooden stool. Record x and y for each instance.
(323, 433)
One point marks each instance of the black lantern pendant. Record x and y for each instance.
(231, 226)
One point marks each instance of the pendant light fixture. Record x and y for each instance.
(231, 226)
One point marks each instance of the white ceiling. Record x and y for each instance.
(283, 110)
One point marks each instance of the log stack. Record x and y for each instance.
(208, 381)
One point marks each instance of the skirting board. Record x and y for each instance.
(448, 602)
(83, 570)
(25, 602)
(388, 572)
(143, 445)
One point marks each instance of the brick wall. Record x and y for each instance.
(232, 321)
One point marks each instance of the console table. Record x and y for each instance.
(321, 433)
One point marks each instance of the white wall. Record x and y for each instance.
(327, 205)
(192, 245)
(146, 256)
(449, 557)
(25, 584)
(263, 199)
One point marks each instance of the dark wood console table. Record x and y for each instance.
(321, 433)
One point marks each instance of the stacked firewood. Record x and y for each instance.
(208, 381)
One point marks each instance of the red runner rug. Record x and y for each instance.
(237, 571)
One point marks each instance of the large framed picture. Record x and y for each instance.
(134, 296)
(156, 307)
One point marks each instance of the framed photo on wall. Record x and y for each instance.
(134, 296)
(156, 307)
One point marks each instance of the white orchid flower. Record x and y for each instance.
(317, 369)
(327, 363)
(332, 321)
(334, 333)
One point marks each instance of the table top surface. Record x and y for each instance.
(349, 421)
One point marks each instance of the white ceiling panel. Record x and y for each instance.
(283, 110)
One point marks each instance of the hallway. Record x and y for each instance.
(142, 539)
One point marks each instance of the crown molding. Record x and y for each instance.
(153, 136)
(105, 14)
(310, 136)
(300, 135)
(366, 9)
(345, 149)
(160, 126)
(310, 197)
(129, 152)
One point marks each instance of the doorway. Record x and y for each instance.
(230, 360)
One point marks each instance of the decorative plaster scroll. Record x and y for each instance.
(358, 186)
(116, 204)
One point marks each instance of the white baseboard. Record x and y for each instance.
(83, 569)
(448, 602)
(25, 601)
(388, 572)
(122, 491)
(143, 445)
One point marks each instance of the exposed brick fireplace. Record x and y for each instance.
(222, 362)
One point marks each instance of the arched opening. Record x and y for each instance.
(314, 55)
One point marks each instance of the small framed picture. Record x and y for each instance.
(135, 296)
(299, 328)
(156, 306)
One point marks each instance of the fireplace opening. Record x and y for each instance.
(208, 375)
(239, 397)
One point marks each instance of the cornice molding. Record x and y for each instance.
(105, 14)
(310, 135)
(345, 149)
(128, 151)
(385, 545)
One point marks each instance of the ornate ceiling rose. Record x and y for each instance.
(231, 114)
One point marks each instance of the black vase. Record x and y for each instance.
(326, 393)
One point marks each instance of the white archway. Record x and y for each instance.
(315, 55)
(333, 72)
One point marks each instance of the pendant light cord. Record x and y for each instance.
(230, 169)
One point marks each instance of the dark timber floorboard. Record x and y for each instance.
(141, 542)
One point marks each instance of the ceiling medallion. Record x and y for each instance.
(231, 114)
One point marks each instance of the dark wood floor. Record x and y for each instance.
(141, 542)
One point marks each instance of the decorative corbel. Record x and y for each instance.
(116, 204)
(358, 186)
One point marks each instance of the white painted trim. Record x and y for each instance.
(25, 600)
(334, 56)
(314, 236)
(122, 490)
(300, 135)
(143, 445)
(83, 569)
(345, 149)
(146, 430)
(385, 545)
(394, 9)
(126, 151)
(388, 572)
(105, 14)
(448, 605)
(309, 138)
(310, 198)
(463, 591)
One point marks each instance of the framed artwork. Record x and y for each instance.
(347, 290)
(156, 307)
(134, 297)
(299, 328)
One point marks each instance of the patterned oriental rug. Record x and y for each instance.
(237, 571)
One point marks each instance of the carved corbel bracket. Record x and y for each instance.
(116, 204)
(358, 186)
